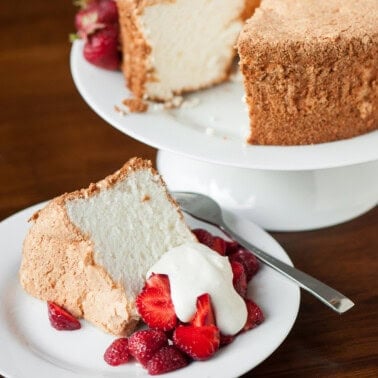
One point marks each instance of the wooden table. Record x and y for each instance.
(52, 142)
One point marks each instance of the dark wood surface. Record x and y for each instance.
(52, 142)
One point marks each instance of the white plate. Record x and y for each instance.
(30, 347)
(220, 110)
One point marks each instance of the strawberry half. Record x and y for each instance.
(200, 343)
(145, 343)
(204, 314)
(166, 359)
(239, 278)
(255, 315)
(61, 319)
(155, 305)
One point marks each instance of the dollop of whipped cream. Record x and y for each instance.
(194, 269)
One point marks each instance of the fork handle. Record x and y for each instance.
(331, 297)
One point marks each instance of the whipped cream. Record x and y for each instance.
(194, 269)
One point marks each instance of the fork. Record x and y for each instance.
(206, 209)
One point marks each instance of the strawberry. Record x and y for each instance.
(94, 16)
(226, 339)
(255, 315)
(155, 305)
(214, 242)
(61, 319)
(118, 352)
(203, 236)
(246, 258)
(204, 314)
(231, 247)
(145, 343)
(166, 359)
(219, 245)
(101, 48)
(239, 279)
(200, 343)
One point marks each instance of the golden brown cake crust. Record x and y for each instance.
(310, 70)
(58, 262)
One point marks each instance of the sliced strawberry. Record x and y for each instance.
(118, 352)
(144, 344)
(216, 243)
(255, 315)
(155, 305)
(226, 339)
(166, 359)
(203, 236)
(219, 245)
(231, 247)
(240, 278)
(246, 258)
(101, 48)
(61, 319)
(204, 314)
(200, 343)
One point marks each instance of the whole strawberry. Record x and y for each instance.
(101, 48)
(118, 352)
(145, 343)
(97, 24)
(167, 359)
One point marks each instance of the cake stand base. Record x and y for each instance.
(278, 200)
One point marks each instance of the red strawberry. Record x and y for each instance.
(155, 305)
(214, 242)
(166, 359)
(219, 245)
(246, 258)
(144, 344)
(200, 343)
(255, 315)
(204, 236)
(118, 352)
(226, 339)
(61, 319)
(95, 15)
(101, 48)
(231, 247)
(239, 279)
(204, 314)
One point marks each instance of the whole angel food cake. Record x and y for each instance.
(89, 251)
(309, 66)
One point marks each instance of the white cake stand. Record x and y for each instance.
(201, 148)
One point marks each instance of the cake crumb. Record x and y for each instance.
(135, 105)
(209, 131)
(119, 110)
(146, 198)
(190, 103)
(174, 103)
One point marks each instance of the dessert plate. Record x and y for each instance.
(210, 125)
(31, 347)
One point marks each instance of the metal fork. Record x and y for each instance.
(206, 209)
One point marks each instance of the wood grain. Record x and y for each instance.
(52, 142)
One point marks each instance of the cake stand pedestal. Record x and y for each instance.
(278, 200)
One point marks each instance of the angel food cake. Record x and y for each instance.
(171, 47)
(89, 251)
(309, 66)
(310, 70)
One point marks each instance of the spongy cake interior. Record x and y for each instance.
(131, 224)
(192, 42)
